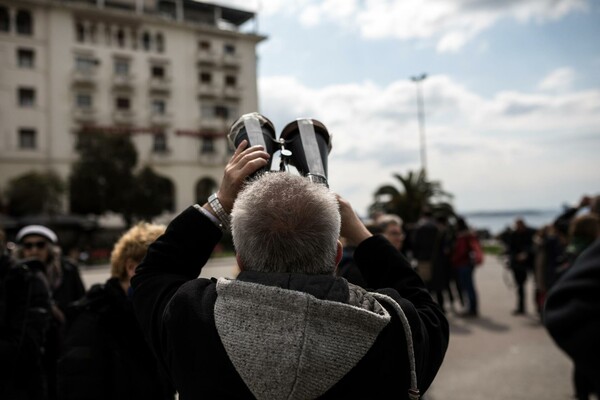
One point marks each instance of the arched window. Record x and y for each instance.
(160, 43)
(4, 20)
(146, 41)
(24, 22)
(80, 32)
(204, 188)
(121, 38)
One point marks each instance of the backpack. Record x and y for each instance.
(475, 253)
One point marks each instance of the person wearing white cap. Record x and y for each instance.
(41, 243)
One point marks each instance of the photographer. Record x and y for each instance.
(286, 327)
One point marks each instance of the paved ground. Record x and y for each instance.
(497, 356)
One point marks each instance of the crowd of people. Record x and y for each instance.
(58, 341)
(324, 306)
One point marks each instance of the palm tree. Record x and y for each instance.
(416, 194)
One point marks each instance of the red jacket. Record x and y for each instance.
(467, 250)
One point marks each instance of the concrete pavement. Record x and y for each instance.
(496, 356)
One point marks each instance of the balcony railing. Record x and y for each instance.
(159, 119)
(207, 57)
(122, 81)
(231, 60)
(160, 84)
(213, 124)
(85, 76)
(84, 114)
(208, 90)
(124, 116)
(232, 92)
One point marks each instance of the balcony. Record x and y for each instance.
(232, 92)
(161, 119)
(162, 85)
(123, 81)
(213, 124)
(124, 116)
(208, 90)
(207, 57)
(231, 60)
(84, 114)
(85, 76)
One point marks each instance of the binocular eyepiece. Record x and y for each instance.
(303, 146)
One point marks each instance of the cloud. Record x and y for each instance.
(449, 23)
(488, 151)
(558, 80)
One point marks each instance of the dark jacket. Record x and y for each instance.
(572, 313)
(105, 355)
(24, 320)
(284, 335)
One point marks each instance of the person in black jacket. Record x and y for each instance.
(24, 320)
(286, 327)
(41, 243)
(572, 316)
(520, 247)
(105, 355)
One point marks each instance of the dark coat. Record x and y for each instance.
(24, 320)
(177, 312)
(105, 355)
(572, 313)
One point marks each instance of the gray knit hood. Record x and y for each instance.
(289, 344)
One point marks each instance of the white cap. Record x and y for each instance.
(37, 230)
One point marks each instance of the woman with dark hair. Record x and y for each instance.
(465, 256)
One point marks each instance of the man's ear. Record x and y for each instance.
(239, 262)
(340, 252)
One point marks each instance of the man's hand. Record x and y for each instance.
(353, 230)
(243, 163)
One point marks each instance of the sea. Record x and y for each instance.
(497, 221)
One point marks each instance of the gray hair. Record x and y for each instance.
(282, 222)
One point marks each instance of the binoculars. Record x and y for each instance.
(302, 148)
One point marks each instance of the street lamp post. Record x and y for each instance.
(421, 115)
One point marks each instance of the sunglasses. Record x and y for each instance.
(30, 245)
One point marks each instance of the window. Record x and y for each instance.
(159, 144)
(221, 112)
(146, 41)
(25, 58)
(157, 71)
(160, 43)
(230, 80)
(85, 64)
(27, 138)
(93, 33)
(80, 32)
(159, 106)
(229, 49)
(4, 20)
(205, 77)
(208, 145)
(26, 97)
(123, 103)
(24, 22)
(204, 45)
(121, 38)
(84, 100)
(121, 67)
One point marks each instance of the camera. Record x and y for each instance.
(302, 148)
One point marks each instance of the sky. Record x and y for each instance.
(511, 98)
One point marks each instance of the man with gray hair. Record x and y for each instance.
(286, 327)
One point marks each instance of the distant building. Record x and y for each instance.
(176, 73)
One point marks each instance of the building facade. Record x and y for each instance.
(174, 74)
